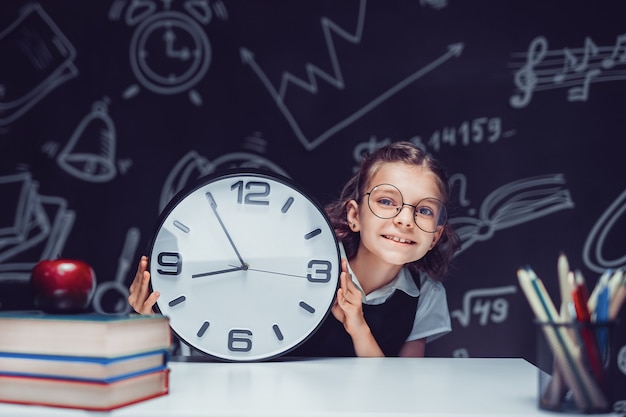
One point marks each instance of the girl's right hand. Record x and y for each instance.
(140, 299)
(348, 308)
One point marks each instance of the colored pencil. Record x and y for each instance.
(619, 297)
(557, 388)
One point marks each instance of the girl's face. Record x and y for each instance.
(398, 240)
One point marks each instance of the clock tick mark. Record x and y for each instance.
(307, 307)
(312, 234)
(287, 205)
(203, 329)
(177, 301)
(212, 202)
(277, 332)
(181, 226)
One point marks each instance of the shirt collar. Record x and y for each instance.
(403, 281)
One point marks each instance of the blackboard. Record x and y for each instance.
(108, 108)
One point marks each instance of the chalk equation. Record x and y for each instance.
(541, 69)
(469, 132)
(488, 304)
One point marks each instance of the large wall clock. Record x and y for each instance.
(247, 265)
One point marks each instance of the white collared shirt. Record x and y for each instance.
(432, 318)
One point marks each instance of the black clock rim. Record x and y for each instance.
(219, 175)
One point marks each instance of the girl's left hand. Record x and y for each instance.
(348, 308)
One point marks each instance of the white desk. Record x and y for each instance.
(335, 387)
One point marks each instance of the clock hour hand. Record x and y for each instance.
(213, 204)
(221, 271)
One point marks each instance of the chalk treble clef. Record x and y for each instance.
(526, 78)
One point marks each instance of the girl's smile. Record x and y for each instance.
(399, 239)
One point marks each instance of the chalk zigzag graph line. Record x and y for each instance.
(331, 29)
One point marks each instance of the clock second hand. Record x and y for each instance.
(275, 273)
(213, 205)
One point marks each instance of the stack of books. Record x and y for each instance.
(85, 361)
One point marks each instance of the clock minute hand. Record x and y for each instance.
(213, 205)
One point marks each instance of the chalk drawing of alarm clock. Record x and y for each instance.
(169, 54)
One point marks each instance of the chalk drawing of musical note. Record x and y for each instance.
(513, 204)
(525, 78)
(581, 93)
(581, 67)
(620, 44)
(590, 51)
(569, 61)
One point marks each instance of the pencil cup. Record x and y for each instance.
(576, 366)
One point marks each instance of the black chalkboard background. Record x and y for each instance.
(108, 108)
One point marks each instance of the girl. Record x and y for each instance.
(396, 244)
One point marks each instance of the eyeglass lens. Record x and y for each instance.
(386, 202)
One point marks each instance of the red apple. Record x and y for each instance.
(62, 285)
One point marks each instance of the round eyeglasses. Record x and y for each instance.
(386, 202)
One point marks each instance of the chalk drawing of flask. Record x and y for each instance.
(90, 152)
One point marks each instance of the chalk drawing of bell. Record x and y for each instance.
(90, 152)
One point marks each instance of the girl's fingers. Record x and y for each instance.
(139, 292)
(150, 302)
(141, 267)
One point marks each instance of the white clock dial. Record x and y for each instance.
(247, 266)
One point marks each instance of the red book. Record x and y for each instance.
(86, 395)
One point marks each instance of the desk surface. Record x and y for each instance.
(336, 387)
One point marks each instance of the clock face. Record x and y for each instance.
(247, 265)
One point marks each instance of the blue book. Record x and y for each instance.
(82, 368)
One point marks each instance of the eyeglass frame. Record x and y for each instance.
(414, 206)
